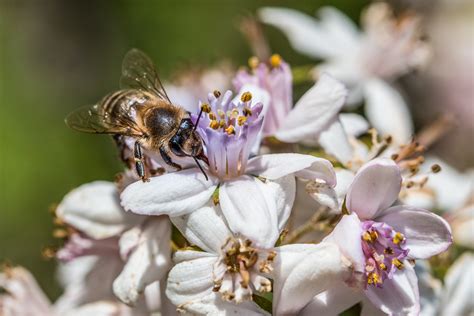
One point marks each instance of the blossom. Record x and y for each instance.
(250, 191)
(314, 112)
(231, 269)
(128, 251)
(365, 61)
(380, 240)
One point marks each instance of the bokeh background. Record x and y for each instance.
(57, 55)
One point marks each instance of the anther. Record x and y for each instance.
(397, 263)
(241, 120)
(230, 130)
(246, 111)
(212, 116)
(206, 108)
(214, 124)
(388, 251)
(275, 60)
(398, 238)
(253, 62)
(246, 96)
(435, 168)
(383, 266)
(217, 93)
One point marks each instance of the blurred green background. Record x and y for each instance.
(59, 55)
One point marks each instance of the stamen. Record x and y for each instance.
(397, 263)
(221, 113)
(398, 238)
(212, 116)
(241, 120)
(253, 62)
(206, 108)
(373, 278)
(275, 60)
(230, 130)
(217, 93)
(246, 111)
(383, 266)
(435, 168)
(388, 251)
(246, 96)
(214, 124)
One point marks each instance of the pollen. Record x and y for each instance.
(398, 238)
(253, 62)
(212, 116)
(214, 124)
(397, 263)
(370, 236)
(206, 108)
(275, 60)
(241, 120)
(383, 266)
(230, 130)
(373, 278)
(246, 97)
(217, 93)
(246, 111)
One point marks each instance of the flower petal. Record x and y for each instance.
(148, 262)
(213, 305)
(335, 142)
(21, 294)
(284, 195)
(307, 35)
(250, 209)
(426, 233)
(314, 112)
(346, 235)
(333, 301)
(275, 166)
(174, 193)
(457, 299)
(94, 209)
(375, 187)
(387, 111)
(302, 271)
(354, 124)
(205, 228)
(191, 279)
(399, 295)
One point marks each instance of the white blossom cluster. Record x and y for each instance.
(307, 208)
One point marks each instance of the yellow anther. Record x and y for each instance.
(373, 278)
(398, 238)
(214, 124)
(253, 62)
(212, 116)
(217, 93)
(275, 60)
(370, 236)
(397, 263)
(230, 130)
(206, 108)
(221, 124)
(383, 266)
(221, 113)
(246, 96)
(241, 120)
(246, 111)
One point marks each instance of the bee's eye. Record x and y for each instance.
(175, 146)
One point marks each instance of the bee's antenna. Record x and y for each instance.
(202, 170)
(197, 121)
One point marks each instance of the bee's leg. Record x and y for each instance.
(164, 150)
(139, 162)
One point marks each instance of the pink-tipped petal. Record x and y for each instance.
(375, 187)
(426, 233)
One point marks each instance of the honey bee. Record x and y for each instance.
(142, 110)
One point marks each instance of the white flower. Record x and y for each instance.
(250, 191)
(365, 61)
(127, 250)
(222, 278)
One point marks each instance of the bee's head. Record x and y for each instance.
(187, 142)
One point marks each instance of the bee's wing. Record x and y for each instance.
(91, 119)
(139, 72)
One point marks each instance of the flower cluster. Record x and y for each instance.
(299, 209)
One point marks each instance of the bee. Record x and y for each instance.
(142, 110)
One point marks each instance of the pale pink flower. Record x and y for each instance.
(250, 191)
(222, 278)
(380, 240)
